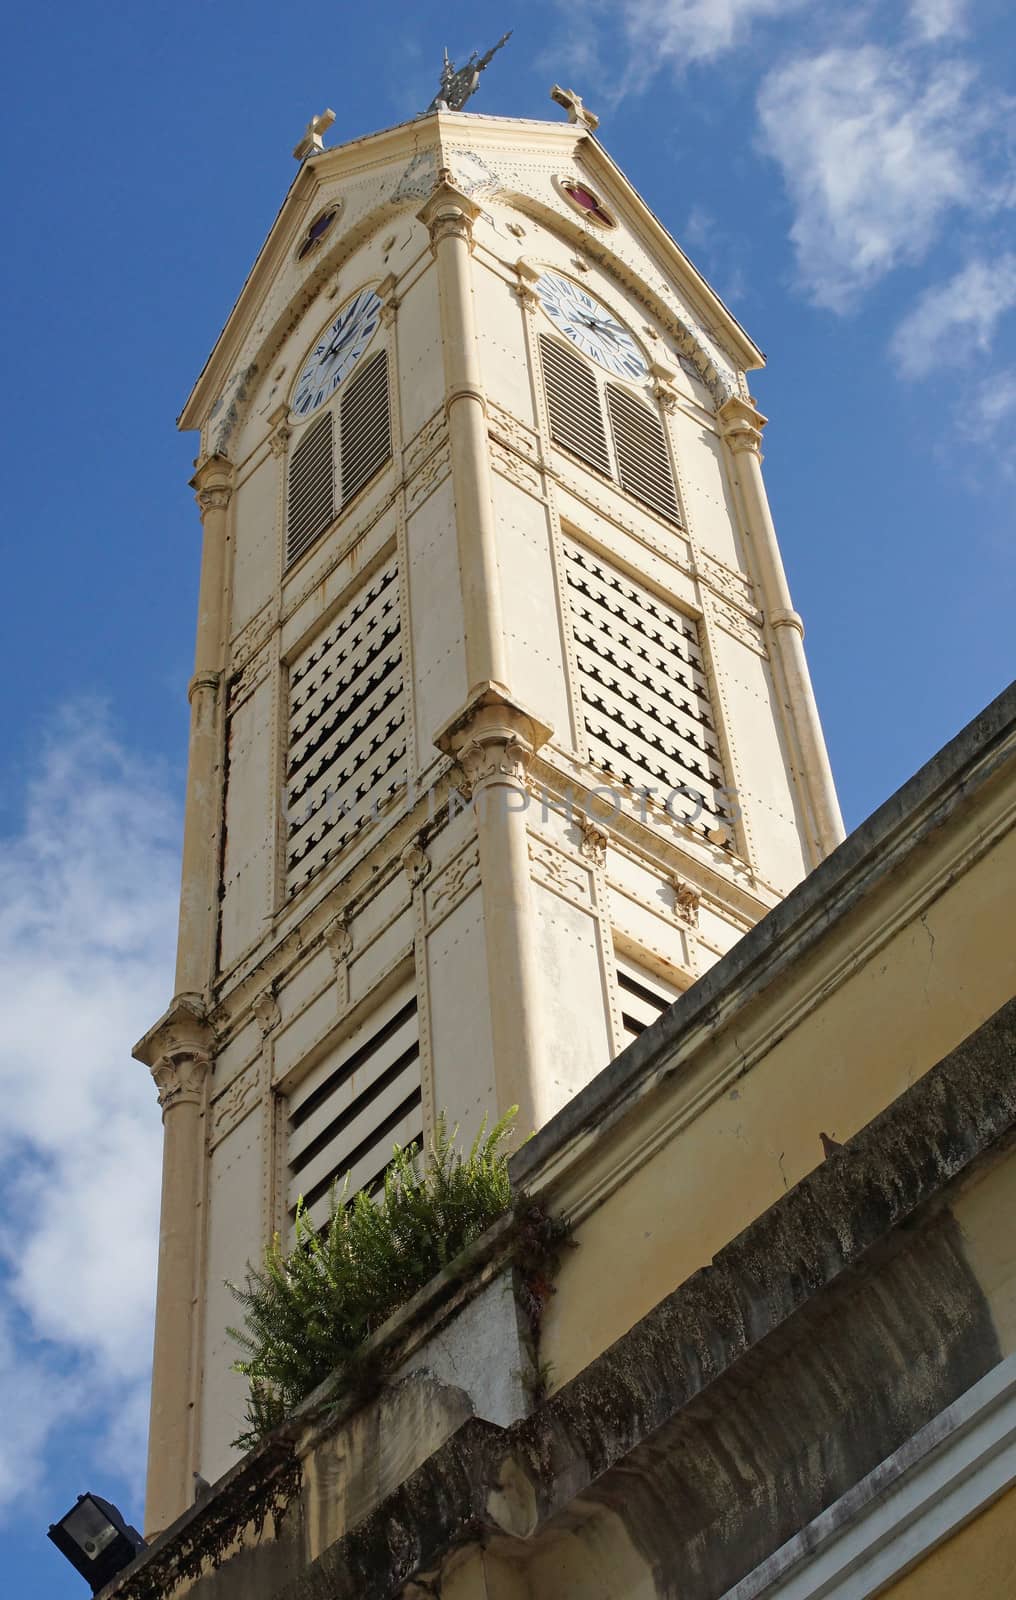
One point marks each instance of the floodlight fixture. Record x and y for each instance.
(96, 1540)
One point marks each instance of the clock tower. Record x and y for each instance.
(501, 727)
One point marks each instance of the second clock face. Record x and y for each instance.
(590, 326)
(337, 351)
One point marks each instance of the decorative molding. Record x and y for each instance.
(663, 385)
(266, 1008)
(593, 844)
(526, 279)
(254, 634)
(509, 431)
(455, 882)
(415, 863)
(731, 585)
(235, 1102)
(738, 625)
(516, 470)
(338, 939)
(278, 439)
(424, 442)
(430, 476)
(243, 683)
(686, 903)
(562, 873)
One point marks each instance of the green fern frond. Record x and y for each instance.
(308, 1312)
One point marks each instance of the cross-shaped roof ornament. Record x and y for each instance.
(312, 143)
(457, 84)
(577, 112)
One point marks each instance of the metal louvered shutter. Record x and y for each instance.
(365, 429)
(573, 401)
(310, 502)
(643, 994)
(641, 449)
(354, 1105)
(645, 697)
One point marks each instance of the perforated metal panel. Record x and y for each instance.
(643, 463)
(365, 430)
(347, 734)
(644, 996)
(573, 404)
(310, 503)
(355, 1105)
(645, 698)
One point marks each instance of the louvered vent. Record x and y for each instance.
(365, 430)
(347, 736)
(349, 1111)
(643, 996)
(645, 698)
(311, 500)
(642, 461)
(573, 403)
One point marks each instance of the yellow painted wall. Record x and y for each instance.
(979, 1561)
(859, 1042)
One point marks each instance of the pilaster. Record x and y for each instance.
(449, 216)
(213, 486)
(492, 741)
(742, 428)
(178, 1050)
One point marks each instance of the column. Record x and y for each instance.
(493, 744)
(493, 737)
(213, 485)
(742, 429)
(449, 215)
(178, 1052)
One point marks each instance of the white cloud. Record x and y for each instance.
(956, 319)
(875, 150)
(676, 32)
(88, 891)
(937, 19)
(994, 403)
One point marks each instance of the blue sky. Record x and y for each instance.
(844, 178)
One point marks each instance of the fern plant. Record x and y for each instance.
(307, 1312)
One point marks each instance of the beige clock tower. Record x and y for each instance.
(501, 727)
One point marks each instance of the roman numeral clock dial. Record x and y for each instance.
(337, 351)
(590, 327)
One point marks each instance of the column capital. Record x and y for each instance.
(741, 425)
(213, 483)
(493, 739)
(178, 1051)
(448, 212)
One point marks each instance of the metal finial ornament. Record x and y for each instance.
(458, 83)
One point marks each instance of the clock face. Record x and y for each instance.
(590, 326)
(337, 351)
